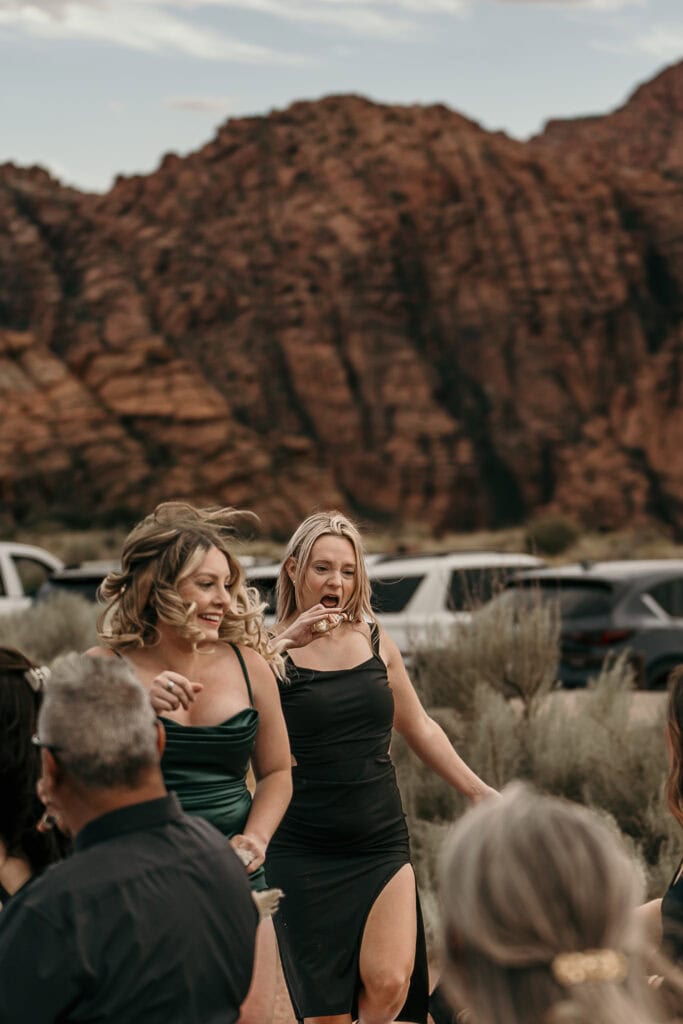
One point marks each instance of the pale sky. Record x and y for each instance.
(94, 88)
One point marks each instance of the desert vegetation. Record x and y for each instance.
(45, 630)
(555, 538)
(491, 685)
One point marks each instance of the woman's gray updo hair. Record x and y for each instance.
(524, 878)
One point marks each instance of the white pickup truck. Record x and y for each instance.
(23, 568)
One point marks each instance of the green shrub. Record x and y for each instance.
(61, 624)
(551, 535)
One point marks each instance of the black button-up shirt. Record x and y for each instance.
(150, 920)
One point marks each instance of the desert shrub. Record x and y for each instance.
(595, 746)
(514, 654)
(551, 535)
(61, 624)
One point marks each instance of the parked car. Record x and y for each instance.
(263, 576)
(82, 579)
(416, 596)
(607, 608)
(23, 569)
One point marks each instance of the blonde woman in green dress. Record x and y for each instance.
(179, 612)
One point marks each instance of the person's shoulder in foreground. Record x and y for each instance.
(151, 919)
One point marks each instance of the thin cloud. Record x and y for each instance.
(157, 25)
(383, 18)
(201, 104)
(136, 24)
(602, 6)
(663, 42)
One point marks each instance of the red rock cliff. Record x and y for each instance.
(383, 308)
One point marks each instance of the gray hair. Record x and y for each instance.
(527, 877)
(98, 719)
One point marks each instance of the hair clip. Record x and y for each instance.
(589, 965)
(37, 677)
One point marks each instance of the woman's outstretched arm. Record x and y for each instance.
(425, 736)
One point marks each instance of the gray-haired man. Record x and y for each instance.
(151, 919)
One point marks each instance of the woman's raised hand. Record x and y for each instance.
(312, 623)
(170, 690)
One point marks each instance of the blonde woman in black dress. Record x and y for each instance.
(350, 931)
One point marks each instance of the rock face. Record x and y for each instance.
(383, 308)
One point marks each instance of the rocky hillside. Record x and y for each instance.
(384, 308)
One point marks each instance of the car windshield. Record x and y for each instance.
(577, 599)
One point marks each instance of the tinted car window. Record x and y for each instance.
(31, 573)
(471, 587)
(577, 599)
(669, 596)
(84, 586)
(392, 593)
(266, 588)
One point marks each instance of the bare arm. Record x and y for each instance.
(425, 736)
(271, 761)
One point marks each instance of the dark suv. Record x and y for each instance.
(610, 607)
(83, 579)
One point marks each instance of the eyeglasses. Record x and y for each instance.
(37, 742)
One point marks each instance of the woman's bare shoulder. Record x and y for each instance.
(252, 659)
(100, 652)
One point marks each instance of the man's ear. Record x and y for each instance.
(161, 737)
(290, 567)
(51, 773)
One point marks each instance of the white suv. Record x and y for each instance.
(23, 568)
(416, 597)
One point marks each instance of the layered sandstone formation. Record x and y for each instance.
(383, 308)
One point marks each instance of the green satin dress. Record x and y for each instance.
(206, 766)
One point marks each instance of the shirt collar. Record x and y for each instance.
(133, 818)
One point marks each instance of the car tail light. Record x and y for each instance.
(598, 637)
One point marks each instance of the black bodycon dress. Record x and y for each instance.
(343, 837)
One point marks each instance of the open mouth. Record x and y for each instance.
(329, 601)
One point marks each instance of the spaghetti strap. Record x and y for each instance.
(244, 672)
(374, 638)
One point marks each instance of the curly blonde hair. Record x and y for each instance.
(161, 551)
